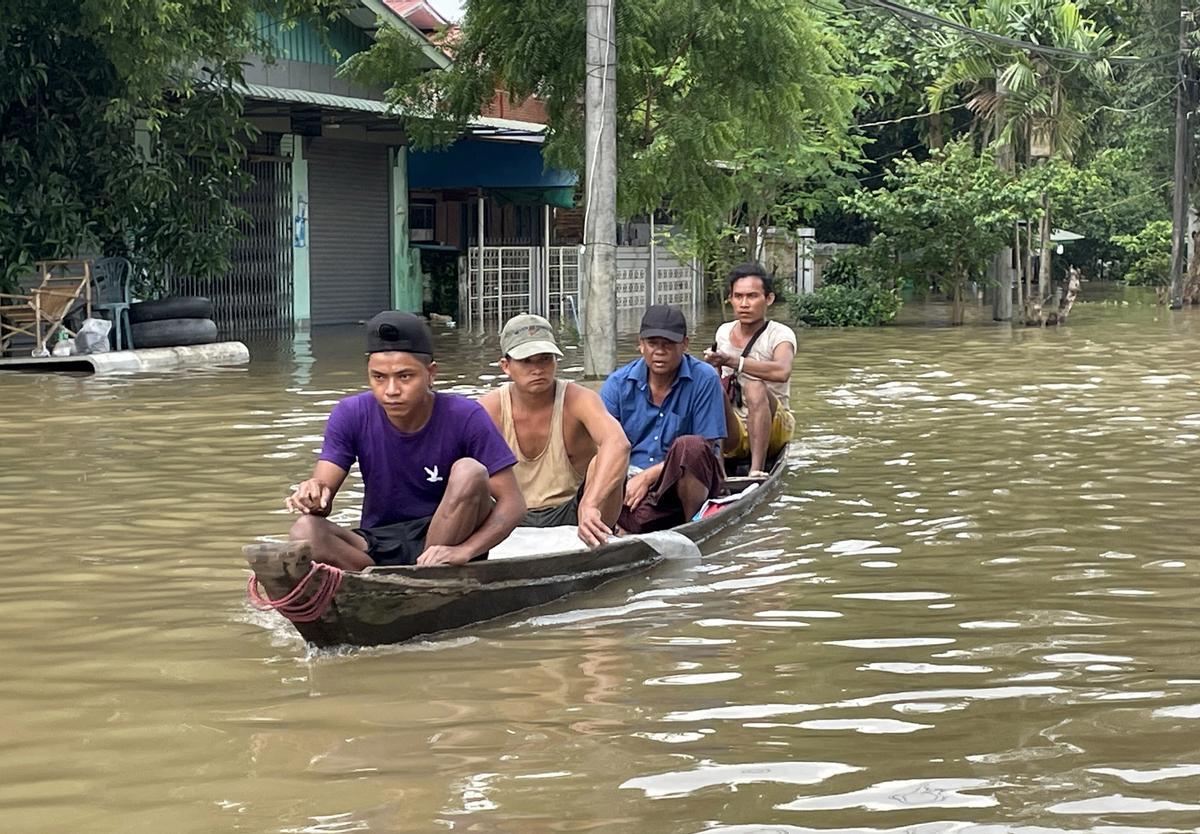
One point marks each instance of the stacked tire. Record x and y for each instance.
(172, 322)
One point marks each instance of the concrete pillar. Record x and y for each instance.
(406, 283)
(301, 280)
(479, 238)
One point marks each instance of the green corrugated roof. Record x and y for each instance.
(480, 124)
(335, 102)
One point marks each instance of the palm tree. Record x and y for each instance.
(1030, 99)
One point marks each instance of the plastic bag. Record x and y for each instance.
(93, 336)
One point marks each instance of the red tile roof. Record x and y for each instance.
(419, 13)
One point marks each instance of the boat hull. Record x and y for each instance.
(392, 604)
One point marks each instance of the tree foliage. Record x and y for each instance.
(1029, 92)
(1149, 253)
(717, 103)
(1112, 195)
(943, 218)
(118, 130)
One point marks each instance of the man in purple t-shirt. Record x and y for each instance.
(439, 487)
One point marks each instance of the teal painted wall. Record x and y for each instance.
(301, 281)
(406, 281)
(300, 42)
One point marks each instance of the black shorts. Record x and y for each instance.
(565, 514)
(400, 543)
(396, 544)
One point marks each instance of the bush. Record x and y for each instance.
(841, 305)
(1150, 254)
(843, 270)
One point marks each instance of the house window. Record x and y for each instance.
(422, 220)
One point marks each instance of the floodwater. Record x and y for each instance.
(974, 608)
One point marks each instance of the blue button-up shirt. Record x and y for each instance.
(694, 405)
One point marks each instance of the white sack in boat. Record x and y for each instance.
(540, 541)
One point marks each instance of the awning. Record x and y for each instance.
(333, 102)
(515, 170)
(1063, 236)
(562, 197)
(483, 124)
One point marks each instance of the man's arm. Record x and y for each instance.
(708, 407)
(315, 496)
(612, 459)
(502, 520)
(776, 369)
(638, 486)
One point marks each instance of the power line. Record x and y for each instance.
(1125, 199)
(1148, 104)
(927, 19)
(910, 118)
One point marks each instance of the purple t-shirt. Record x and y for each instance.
(404, 475)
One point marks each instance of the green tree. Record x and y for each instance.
(943, 218)
(1149, 254)
(1114, 192)
(718, 104)
(1031, 101)
(118, 129)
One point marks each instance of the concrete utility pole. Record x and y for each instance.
(1001, 267)
(1179, 217)
(599, 279)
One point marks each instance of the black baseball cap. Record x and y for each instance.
(393, 330)
(664, 321)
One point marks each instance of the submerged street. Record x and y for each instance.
(972, 608)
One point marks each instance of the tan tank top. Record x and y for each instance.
(548, 479)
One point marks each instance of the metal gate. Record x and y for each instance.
(562, 291)
(515, 279)
(255, 296)
(519, 279)
(498, 287)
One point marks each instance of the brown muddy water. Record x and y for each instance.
(974, 608)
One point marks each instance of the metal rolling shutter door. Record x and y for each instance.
(350, 259)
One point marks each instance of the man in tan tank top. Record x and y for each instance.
(758, 355)
(572, 455)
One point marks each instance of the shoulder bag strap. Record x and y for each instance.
(754, 338)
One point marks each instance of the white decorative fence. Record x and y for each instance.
(511, 279)
(562, 296)
(501, 286)
(678, 283)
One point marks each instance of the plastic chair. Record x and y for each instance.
(111, 279)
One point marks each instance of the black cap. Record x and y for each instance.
(393, 330)
(664, 321)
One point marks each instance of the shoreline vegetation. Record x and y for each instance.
(1023, 143)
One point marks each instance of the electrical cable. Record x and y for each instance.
(1125, 199)
(913, 116)
(931, 20)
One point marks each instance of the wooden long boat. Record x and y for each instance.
(391, 604)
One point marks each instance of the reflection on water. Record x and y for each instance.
(973, 609)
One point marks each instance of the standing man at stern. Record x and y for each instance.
(438, 478)
(756, 355)
(571, 454)
(669, 404)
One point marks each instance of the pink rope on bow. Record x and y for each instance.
(329, 578)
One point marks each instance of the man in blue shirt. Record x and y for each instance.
(673, 411)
